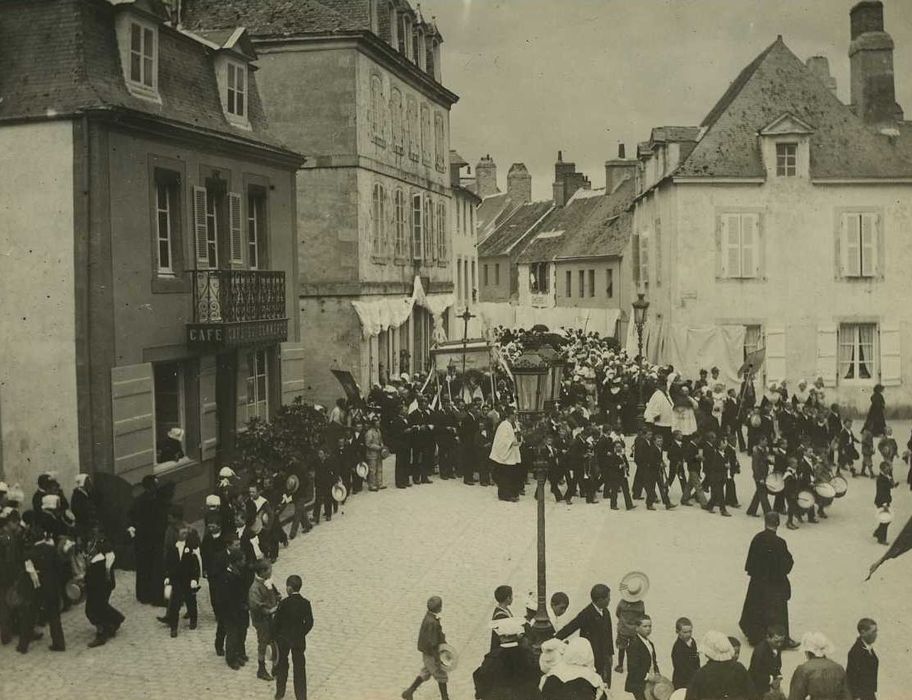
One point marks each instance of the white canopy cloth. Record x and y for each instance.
(380, 313)
(603, 321)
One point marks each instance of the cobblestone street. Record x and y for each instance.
(369, 572)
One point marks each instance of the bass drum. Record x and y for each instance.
(825, 493)
(806, 500)
(840, 486)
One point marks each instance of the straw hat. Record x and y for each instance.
(634, 586)
(339, 493)
(362, 470)
(176, 434)
(449, 659)
(292, 483)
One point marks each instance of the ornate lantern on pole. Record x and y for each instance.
(640, 307)
(534, 376)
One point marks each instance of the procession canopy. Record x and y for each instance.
(380, 313)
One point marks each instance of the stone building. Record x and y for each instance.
(356, 86)
(783, 222)
(149, 268)
(465, 249)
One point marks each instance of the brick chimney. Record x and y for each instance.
(873, 92)
(618, 169)
(519, 184)
(567, 181)
(820, 66)
(486, 177)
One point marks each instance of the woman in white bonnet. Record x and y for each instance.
(574, 676)
(818, 678)
(721, 676)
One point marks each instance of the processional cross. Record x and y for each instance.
(466, 315)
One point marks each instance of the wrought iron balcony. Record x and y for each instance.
(234, 307)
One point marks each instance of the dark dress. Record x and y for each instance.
(876, 421)
(98, 609)
(577, 689)
(721, 679)
(768, 565)
(510, 673)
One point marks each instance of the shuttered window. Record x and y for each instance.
(859, 244)
(256, 228)
(205, 225)
(740, 245)
(257, 385)
(417, 229)
(236, 238)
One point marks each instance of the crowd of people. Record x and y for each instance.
(57, 552)
(574, 659)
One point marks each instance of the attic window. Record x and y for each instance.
(142, 55)
(237, 90)
(786, 159)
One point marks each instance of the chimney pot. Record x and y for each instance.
(560, 156)
(872, 86)
(621, 151)
(866, 16)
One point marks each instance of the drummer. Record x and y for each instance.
(823, 475)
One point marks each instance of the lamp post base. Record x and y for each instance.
(540, 631)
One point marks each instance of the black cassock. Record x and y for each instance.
(149, 516)
(510, 673)
(768, 565)
(99, 583)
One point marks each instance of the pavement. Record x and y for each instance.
(370, 571)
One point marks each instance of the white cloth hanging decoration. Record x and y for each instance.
(379, 314)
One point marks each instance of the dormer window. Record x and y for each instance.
(138, 42)
(786, 159)
(237, 90)
(142, 55)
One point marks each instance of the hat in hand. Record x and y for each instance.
(634, 586)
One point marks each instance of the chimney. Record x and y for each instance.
(486, 177)
(567, 181)
(618, 169)
(820, 66)
(873, 93)
(519, 184)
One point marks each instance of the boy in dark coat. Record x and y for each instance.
(99, 582)
(883, 497)
(642, 664)
(766, 661)
(182, 572)
(594, 623)
(862, 667)
(685, 659)
(430, 637)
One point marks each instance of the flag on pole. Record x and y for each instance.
(901, 545)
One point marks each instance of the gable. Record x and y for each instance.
(786, 124)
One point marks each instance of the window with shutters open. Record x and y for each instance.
(257, 385)
(378, 222)
(857, 353)
(401, 224)
(167, 220)
(859, 244)
(256, 228)
(740, 245)
(170, 411)
(205, 227)
(442, 251)
(430, 251)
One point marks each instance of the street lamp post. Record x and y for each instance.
(640, 307)
(534, 377)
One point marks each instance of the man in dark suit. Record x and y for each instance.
(861, 670)
(641, 660)
(421, 431)
(182, 571)
(594, 623)
(293, 620)
(766, 661)
(768, 565)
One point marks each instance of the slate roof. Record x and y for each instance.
(277, 17)
(491, 212)
(513, 229)
(592, 227)
(774, 83)
(61, 58)
(676, 134)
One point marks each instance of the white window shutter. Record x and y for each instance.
(733, 251)
(200, 228)
(852, 242)
(890, 356)
(292, 369)
(207, 408)
(234, 221)
(721, 243)
(826, 353)
(868, 240)
(750, 259)
(133, 420)
(634, 261)
(774, 342)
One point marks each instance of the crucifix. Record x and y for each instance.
(466, 315)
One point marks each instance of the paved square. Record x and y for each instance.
(369, 572)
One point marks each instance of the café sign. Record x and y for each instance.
(234, 334)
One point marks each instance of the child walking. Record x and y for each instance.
(685, 659)
(867, 453)
(430, 637)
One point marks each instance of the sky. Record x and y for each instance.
(536, 76)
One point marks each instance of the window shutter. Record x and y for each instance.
(207, 408)
(732, 237)
(292, 369)
(241, 383)
(750, 245)
(826, 354)
(890, 358)
(839, 243)
(721, 242)
(658, 252)
(200, 228)
(868, 240)
(775, 353)
(634, 260)
(852, 240)
(133, 411)
(234, 222)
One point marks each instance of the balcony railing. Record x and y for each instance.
(231, 307)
